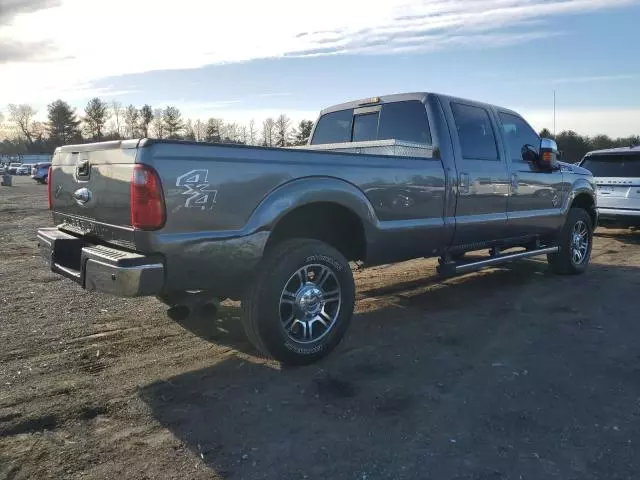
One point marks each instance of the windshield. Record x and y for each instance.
(624, 166)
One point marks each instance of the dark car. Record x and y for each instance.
(40, 172)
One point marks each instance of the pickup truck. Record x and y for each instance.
(382, 180)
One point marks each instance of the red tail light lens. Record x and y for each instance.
(49, 183)
(147, 200)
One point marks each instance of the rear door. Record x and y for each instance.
(618, 179)
(483, 182)
(90, 190)
(537, 196)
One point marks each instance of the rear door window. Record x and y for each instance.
(334, 127)
(517, 133)
(404, 121)
(622, 166)
(477, 138)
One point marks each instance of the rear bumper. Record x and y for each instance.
(100, 268)
(618, 215)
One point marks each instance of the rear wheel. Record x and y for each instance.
(574, 242)
(299, 305)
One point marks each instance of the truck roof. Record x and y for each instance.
(403, 97)
(616, 151)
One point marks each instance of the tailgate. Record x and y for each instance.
(90, 190)
(618, 179)
(621, 193)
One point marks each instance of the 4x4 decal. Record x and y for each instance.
(197, 190)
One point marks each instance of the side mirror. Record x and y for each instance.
(548, 156)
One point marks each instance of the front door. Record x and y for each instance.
(537, 196)
(483, 180)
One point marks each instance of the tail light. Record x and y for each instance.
(49, 183)
(147, 200)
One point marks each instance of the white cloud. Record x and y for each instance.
(612, 122)
(87, 40)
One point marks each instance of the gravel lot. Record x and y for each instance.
(511, 373)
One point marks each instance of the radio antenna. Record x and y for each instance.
(554, 113)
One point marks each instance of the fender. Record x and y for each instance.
(581, 185)
(308, 190)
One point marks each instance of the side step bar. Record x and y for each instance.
(451, 268)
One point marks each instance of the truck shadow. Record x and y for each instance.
(424, 371)
(222, 327)
(431, 292)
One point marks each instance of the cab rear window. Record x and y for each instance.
(622, 166)
(406, 121)
(334, 127)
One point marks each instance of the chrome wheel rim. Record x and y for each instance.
(310, 303)
(579, 242)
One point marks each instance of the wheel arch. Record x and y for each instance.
(323, 208)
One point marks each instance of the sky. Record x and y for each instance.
(248, 59)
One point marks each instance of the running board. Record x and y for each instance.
(449, 269)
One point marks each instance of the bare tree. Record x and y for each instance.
(268, 131)
(230, 133)
(157, 124)
(253, 133)
(116, 108)
(199, 130)
(243, 134)
(189, 133)
(282, 130)
(39, 131)
(21, 116)
(213, 130)
(131, 116)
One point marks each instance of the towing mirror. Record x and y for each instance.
(548, 156)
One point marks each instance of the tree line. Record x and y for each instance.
(102, 121)
(574, 146)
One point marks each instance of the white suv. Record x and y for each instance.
(617, 174)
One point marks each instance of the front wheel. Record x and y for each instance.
(300, 303)
(574, 242)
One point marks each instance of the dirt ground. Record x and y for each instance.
(511, 373)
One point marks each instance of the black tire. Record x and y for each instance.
(564, 262)
(264, 306)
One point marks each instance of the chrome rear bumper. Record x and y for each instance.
(101, 268)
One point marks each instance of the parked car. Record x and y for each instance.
(13, 168)
(24, 169)
(40, 172)
(277, 227)
(617, 175)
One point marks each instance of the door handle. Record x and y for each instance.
(464, 182)
(514, 183)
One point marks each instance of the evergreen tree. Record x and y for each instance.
(62, 124)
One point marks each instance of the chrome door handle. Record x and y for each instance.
(464, 182)
(514, 183)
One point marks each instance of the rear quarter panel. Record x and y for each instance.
(224, 192)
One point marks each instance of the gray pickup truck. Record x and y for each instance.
(382, 180)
